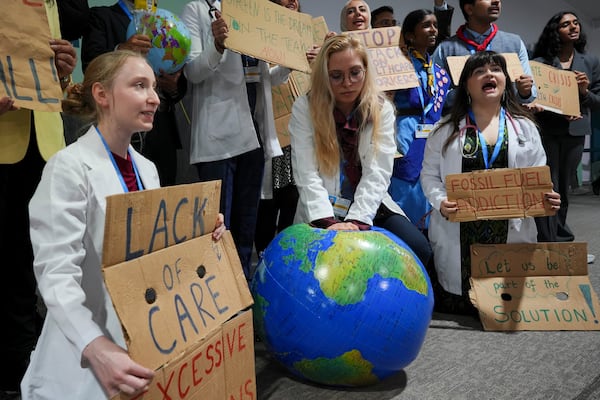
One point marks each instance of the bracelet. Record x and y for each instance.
(65, 79)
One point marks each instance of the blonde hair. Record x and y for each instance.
(103, 69)
(343, 26)
(322, 102)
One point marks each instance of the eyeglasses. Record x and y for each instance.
(354, 76)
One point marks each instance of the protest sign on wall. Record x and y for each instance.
(269, 32)
(457, 63)
(499, 193)
(557, 89)
(27, 71)
(393, 69)
(533, 286)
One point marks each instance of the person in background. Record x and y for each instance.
(81, 352)
(487, 128)
(233, 125)
(383, 17)
(343, 136)
(355, 16)
(27, 139)
(108, 31)
(417, 110)
(74, 18)
(480, 33)
(562, 45)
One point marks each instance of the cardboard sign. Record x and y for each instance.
(499, 193)
(178, 294)
(457, 63)
(269, 32)
(283, 100)
(537, 286)
(27, 71)
(557, 89)
(142, 222)
(393, 68)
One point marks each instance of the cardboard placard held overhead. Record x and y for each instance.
(394, 70)
(178, 294)
(499, 193)
(557, 89)
(27, 68)
(457, 63)
(535, 286)
(269, 32)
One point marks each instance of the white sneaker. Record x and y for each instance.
(591, 258)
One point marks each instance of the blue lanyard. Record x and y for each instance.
(126, 10)
(501, 128)
(116, 167)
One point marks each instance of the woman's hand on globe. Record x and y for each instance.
(343, 226)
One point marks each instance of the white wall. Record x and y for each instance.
(526, 18)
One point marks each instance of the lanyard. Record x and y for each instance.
(489, 161)
(422, 88)
(126, 10)
(116, 167)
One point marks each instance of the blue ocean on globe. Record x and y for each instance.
(171, 40)
(341, 308)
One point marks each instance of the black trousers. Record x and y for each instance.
(21, 323)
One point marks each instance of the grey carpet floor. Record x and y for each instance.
(461, 361)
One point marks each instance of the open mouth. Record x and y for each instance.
(489, 87)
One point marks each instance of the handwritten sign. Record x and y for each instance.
(499, 193)
(269, 32)
(457, 63)
(393, 69)
(179, 295)
(536, 286)
(27, 71)
(557, 89)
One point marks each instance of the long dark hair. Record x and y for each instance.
(462, 99)
(549, 44)
(411, 21)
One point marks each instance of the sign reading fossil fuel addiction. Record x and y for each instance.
(27, 71)
(499, 193)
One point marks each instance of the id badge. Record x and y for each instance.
(423, 130)
(340, 206)
(252, 74)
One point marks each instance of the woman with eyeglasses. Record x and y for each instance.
(343, 138)
(487, 128)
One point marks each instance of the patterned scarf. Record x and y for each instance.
(427, 66)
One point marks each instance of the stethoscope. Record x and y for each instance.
(469, 125)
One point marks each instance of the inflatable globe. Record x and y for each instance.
(341, 308)
(171, 41)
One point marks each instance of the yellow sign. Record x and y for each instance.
(27, 71)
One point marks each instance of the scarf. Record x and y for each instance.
(427, 66)
(460, 33)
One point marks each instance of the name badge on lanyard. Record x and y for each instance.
(340, 206)
(422, 131)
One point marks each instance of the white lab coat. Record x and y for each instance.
(524, 150)
(67, 215)
(377, 161)
(221, 121)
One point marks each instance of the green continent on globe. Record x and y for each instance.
(300, 236)
(345, 268)
(350, 369)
